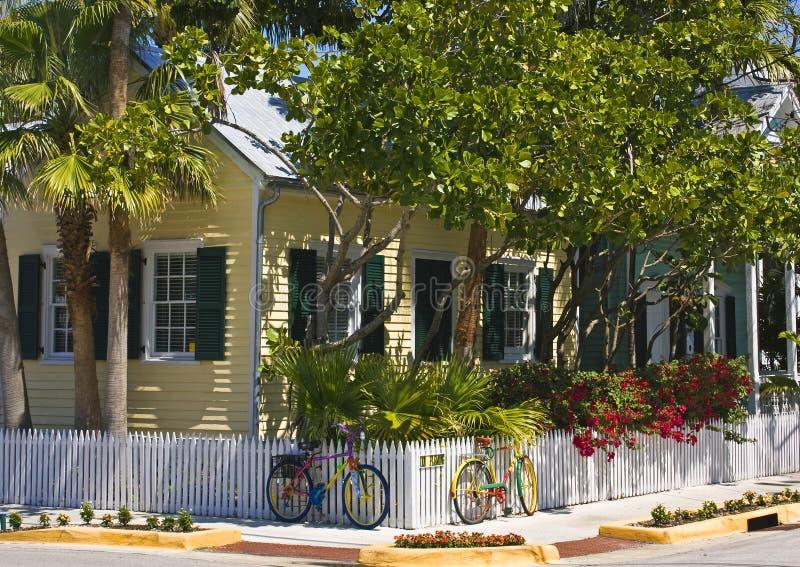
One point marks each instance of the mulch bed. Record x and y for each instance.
(284, 550)
(592, 545)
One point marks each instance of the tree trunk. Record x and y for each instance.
(115, 407)
(467, 322)
(16, 411)
(118, 64)
(75, 235)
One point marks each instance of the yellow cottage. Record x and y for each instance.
(206, 284)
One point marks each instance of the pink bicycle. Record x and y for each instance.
(291, 491)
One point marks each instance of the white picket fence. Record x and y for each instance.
(226, 475)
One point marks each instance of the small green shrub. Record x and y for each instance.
(661, 516)
(777, 498)
(185, 521)
(761, 500)
(63, 520)
(709, 509)
(87, 512)
(15, 520)
(734, 506)
(44, 520)
(168, 524)
(107, 521)
(750, 496)
(795, 497)
(124, 516)
(152, 522)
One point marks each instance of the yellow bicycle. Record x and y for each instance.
(475, 483)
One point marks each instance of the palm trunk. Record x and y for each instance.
(75, 235)
(115, 407)
(468, 315)
(16, 411)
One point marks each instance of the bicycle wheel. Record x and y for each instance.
(527, 488)
(470, 501)
(288, 492)
(365, 497)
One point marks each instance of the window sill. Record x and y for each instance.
(169, 360)
(56, 360)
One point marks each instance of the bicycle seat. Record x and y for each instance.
(483, 441)
(309, 446)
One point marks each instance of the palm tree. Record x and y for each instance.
(16, 410)
(51, 76)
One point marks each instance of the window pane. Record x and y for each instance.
(176, 264)
(190, 264)
(162, 315)
(190, 288)
(176, 289)
(176, 343)
(161, 289)
(61, 319)
(162, 340)
(177, 313)
(162, 264)
(190, 314)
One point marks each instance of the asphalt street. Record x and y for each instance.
(759, 549)
(756, 549)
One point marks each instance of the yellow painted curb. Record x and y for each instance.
(387, 555)
(83, 535)
(724, 525)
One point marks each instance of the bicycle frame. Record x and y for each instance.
(351, 462)
(498, 489)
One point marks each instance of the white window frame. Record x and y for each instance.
(354, 316)
(149, 250)
(50, 253)
(720, 340)
(517, 354)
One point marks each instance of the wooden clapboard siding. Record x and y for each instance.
(202, 396)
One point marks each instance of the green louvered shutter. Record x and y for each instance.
(640, 330)
(134, 304)
(101, 269)
(494, 317)
(430, 273)
(730, 326)
(372, 304)
(211, 295)
(302, 277)
(544, 312)
(30, 273)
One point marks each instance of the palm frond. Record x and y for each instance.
(779, 385)
(66, 181)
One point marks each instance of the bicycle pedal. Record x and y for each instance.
(507, 511)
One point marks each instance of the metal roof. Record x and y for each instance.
(259, 112)
(766, 100)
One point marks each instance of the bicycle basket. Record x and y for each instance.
(289, 458)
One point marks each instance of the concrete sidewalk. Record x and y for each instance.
(549, 526)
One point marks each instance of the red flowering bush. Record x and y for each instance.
(605, 410)
(461, 539)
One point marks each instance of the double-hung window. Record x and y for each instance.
(508, 312)
(170, 299)
(57, 326)
(343, 302)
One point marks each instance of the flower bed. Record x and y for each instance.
(710, 520)
(448, 549)
(448, 539)
(660, 517)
